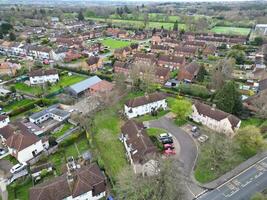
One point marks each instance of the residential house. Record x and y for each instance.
(121, 67)
(188, 73)
(162, 75)
(159, 49)
(40, 52)
(263, 85)
(139, 148)
(22, 143)
(53, 112)
(71, 56)
(145, 105)
(122, 53)
(94, 63)
(210, 49)
(215, 119)
(261, 28)
(9, 68)
(156, 39)
(172, 62)
(41, 76)
(170, 42)
(198, 44)
(60, 53)
(145, 57)
(186, 51)
(4, 92)
(83, 183)
(4, 121)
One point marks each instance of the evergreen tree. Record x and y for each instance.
(228, 98)
(201, 74)
(175, 26)
(12, 36)
(80, 16)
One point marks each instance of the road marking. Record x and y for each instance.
(242, 172)
(190, 190)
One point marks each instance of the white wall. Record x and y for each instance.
(26, 154)
(42, 79)
(4, 122)
(87, 196)
(222, 126)
(144, 109)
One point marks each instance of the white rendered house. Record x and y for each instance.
(144, 105)
(4, 120)
(43, 76)
(215, 119)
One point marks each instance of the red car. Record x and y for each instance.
(168, 146)
(169, 152)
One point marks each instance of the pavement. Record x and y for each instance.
(188, 152)
(242, 186)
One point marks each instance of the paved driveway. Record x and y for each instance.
(188, 151)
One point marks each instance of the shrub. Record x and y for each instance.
(194, 90)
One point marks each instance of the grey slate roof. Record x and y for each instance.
(84, 85)
(58, 112)
(39, 114)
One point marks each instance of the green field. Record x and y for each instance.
(138, 24)
(64, 81)
(230, 30)
(115, 44)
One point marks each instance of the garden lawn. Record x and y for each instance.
(16, 104)
(155, 131)
(22, 190)
(115, 44)
(252, 122)
(231, 30)
(60, 132)
(111, 150)
(149, 117)
(64, 81)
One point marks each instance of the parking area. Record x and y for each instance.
(196, 132)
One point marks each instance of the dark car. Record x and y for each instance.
(167, 141)
(196, 134)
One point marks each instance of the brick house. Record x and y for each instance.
(94, 63)
(170, 61)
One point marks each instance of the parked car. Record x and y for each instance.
(164, 136)
(18, 167)
(167, 141)
(203, 138)
(2, 151)
(196, 134)
(168, 146)
(194, 129)
(169, 152)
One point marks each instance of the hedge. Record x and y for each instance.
(31, 105)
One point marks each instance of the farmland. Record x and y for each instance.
(230, 30)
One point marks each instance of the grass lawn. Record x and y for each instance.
(206, 170)
(64, 81)
(115, 44)
(252, 122)
(16, 104)
(64, 128)
(150, 117)
(21, 190)
(230, 30)
(155, 131)
(111, 150)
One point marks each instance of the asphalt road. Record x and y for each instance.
(243, 186)
(188, 151)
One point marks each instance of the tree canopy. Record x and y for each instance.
(250, 141)
(228, 98)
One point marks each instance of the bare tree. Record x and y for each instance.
(142, 75)
(223, 70)
(260, 102)
(168, 184)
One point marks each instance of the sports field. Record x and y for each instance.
(115, 44)
(230, 30)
